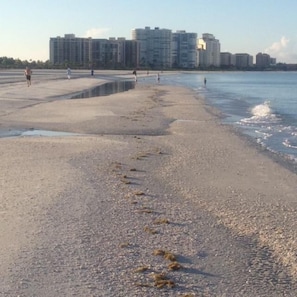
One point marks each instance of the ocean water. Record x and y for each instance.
(262, 105)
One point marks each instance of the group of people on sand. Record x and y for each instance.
(28, 74)
(135, 76)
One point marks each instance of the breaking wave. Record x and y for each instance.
(261, 114)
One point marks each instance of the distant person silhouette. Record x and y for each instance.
(68, 73)
(135, 75)
(205, 81)
(28, 73)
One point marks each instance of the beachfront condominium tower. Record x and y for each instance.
(70, 50)
(96, 53)
(227, 59)
(209, 51)
(183, 50)
(243, 60)
(154, 47)
(114, 53)
(263, 60)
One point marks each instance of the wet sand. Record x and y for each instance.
(152, 171)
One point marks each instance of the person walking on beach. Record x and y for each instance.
(68, 73)
(28, 73)
(135, 75)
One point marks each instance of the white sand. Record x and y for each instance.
(72, 222)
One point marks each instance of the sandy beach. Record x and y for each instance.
(149, 195)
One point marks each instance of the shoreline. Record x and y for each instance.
(224, 213)
(79, 213)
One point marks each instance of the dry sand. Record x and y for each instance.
(151, 169)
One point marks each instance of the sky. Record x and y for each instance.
(267, 26)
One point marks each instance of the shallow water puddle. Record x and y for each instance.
(106, 89)
(34, 133)
(46, 133)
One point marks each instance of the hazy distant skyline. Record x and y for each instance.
(241, 26)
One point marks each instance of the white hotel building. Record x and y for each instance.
(160, 48)
(209, 51)
(184, 50)
(154, 47)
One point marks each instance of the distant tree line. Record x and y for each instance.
(11, 63)
(6, 62)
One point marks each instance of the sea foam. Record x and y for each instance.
(261, 113)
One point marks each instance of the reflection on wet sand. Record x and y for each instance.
(106, 89)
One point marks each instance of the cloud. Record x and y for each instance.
(284, 50)
(97, 32)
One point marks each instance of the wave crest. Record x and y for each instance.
(261, 113)
(261, 110)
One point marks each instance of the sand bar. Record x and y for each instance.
(151, 169)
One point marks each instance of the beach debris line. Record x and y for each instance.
(141, 156)
(139, 193)
(161, 221)
(174, 266)
(158, 276)
(124, 245)
(166, 254)
(141, 269)
(162, 283)
(116, 166)
(150, 230)
(159, 280)
(125, 180)
(146, 285)
(145, 210)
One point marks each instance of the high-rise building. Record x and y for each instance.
(70, 49)
(154, 47)
(227, 59)
(183, 50)
(131, 54)
(209, 51)
(273, 61)
(105, 53)
(263, 60)
(99, 53)
(243, 60)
